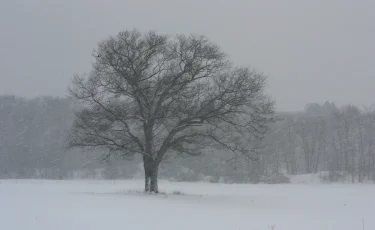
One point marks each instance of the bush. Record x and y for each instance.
(189, 175)
(276, 179)
(214, 179)
(332, 176)
(178, 193)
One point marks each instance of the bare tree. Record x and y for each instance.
(312, 130)
(154, 95)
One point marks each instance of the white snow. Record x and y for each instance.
(102, 205)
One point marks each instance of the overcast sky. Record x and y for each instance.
(312, 51)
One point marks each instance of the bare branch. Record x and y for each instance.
(148, 94)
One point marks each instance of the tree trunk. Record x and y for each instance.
(151, 168)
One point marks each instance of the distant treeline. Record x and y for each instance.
(340, 141)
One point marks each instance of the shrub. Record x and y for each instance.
(276, 179)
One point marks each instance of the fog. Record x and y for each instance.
(167, 125)
(312, 51)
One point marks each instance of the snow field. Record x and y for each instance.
(101, 205)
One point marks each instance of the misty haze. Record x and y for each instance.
(187, 115)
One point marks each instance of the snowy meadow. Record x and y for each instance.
(98, 205)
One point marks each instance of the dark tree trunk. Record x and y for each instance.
(151, 175)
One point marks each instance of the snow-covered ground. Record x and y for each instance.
(102, 205)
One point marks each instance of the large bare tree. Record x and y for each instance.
(154, 95)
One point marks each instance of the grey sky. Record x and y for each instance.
(313, 51)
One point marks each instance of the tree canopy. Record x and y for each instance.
(152, 94)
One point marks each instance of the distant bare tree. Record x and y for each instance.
(154, 95)
(312, 130)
